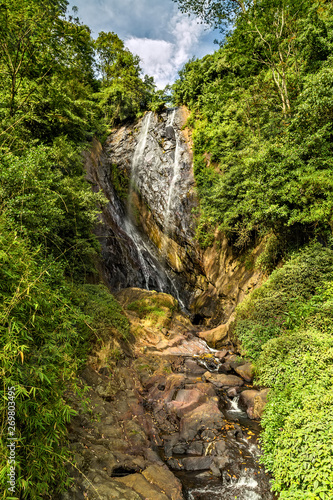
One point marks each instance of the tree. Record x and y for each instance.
(123, 93)
(41, 53)
(214, 12)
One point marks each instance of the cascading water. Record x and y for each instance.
(154, 160)
(172, 192)
(129, 257)
(137, 158)
(231, 450)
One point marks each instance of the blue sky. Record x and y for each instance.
(155, 30)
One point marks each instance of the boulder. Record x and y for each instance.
(206, 416)
(186, 400)
(192, 367)
(203, 387)
(195, 448)
(232, 392)
(163, 478)
(233, 361)
(260, 402)
(103, 488)
(220, 380)
(196, 463)
(221, 354)
(247, 399)
(216, 336)
(245, 371)
(143, 487)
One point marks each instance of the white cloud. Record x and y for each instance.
(156, 57)
(163, 59)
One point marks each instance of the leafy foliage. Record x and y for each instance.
(286, 326)
(44, 194)
(261, 113)
(123, 94)
(51, 105)
(39, 339)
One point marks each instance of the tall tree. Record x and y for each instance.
(123, 92)
(41, 52)
(215, 12)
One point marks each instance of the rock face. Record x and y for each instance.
(160, 397)
(147, 229)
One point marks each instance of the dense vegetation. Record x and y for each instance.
(262, 117)
(262, 107)
(262, 110)
(58, 88)
(286, 326)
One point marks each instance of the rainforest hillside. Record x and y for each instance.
(262, 110)
(261, 121)
(52, 104)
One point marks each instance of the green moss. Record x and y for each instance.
(287, 327)
(120, 181)
(102, 310)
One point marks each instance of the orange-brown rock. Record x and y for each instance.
(260, 402)
(220, 380)
(245, 371)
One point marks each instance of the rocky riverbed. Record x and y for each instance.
(167, 416)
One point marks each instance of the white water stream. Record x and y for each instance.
(129, 226)
(145, 254)
(137, 158)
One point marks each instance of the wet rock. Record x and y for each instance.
(192, 347)
(186, 400)
(108, 489)
(247, 398)
(225, 368)
(260, 402)
(195, 448)
(234, 361)
(208, 435)
(179, 449)
(191, 366)
(218, 464)
(221, 354)
(196, 463)
(220, 380)
(165, 388)
(217, 447)
(205, 388)
(245, 371)
(172, 442)
(165, 480)
(232, 392)
(206, 416)
(143, 487)
(216, 336)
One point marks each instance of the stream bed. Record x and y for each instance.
(214, 449)
(245, 477)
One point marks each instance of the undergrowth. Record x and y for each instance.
(286, 327)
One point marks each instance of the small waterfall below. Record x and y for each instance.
(240, 474)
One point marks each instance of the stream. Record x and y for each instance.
(207, 439)
(215, 461)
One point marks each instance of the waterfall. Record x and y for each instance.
(137, 157)
(146, 155)
(172, 193)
